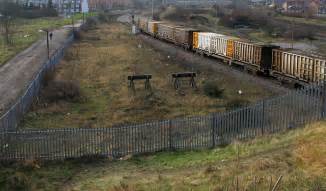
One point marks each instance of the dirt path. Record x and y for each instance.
(16, 74)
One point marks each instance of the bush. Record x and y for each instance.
(299, 32)
(77, 35)
(18, 181)
(61, 90)
(91, 23)
(177, 14)
(48, 77)
(212, 90)
(103, 17)
(37, 13)
(236, 103)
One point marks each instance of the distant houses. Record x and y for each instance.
(302, 7)
(67, 7)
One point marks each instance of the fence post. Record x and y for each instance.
(170, 135)
(323, 103)
(263, 118)
(214, 125)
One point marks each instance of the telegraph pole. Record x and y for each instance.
(152, 9)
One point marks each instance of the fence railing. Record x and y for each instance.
(10, 120)
(269, 116)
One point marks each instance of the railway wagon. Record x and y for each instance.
(166, 32)
(203, 41)
(223, 45)
(152, 27)
(254, 55)
(143, 24)
(298, 66)
(184, 37)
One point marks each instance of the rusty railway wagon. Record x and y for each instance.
(143, 24)
(292, 65)
(254, 56)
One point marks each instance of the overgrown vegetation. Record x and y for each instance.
(237, 103)
(241, 17)
(100, 63)
(298, 156)
(265, 20)
(211, 89)
(61, 90)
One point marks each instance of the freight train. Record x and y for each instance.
(285, 64)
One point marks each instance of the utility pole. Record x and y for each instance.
(216, 16)
(47, 43)
(292, 33)
(152, 9)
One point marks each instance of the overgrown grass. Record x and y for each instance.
(26, 32)
(300, 20)
(102, 60)
(298, 155)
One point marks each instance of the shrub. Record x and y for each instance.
(90, 24)
(77, 35)
(48, 77)
(37, 13)
(103, 17)
(299, 32)
(236, 103)
(211, 89)
(18, 181)
(61, 90)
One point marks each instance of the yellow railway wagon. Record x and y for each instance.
(195, 40)
(254, 55)
(143, 24)
(152, 27)
(297, 65)
(230, 48)
(223, 45)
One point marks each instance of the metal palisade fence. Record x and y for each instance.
(9, 121)
(269, 116)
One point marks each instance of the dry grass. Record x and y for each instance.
(251, 165)
(101, 66)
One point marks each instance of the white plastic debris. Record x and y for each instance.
(240, 92)
(139, 46)
(169, 57)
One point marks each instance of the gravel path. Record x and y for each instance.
(16, 74)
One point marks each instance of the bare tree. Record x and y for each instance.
(8, 11)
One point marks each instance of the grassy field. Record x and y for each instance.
(100, 64)
(311, 21)
(26, 32)
(298, 156)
